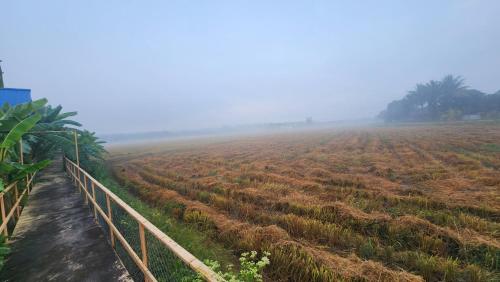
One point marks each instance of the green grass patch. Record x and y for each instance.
(189, 237)
(491, 147)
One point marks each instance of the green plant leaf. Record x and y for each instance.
(38, 104)
(4, 250)
(6, 168)
(63, 122)
(66, 115)
(31, 168)
(18, 130)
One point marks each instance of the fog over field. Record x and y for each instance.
(177, 65)
(250, 141)
(395, 203)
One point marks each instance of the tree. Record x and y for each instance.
(14, 123)
(48, 141)
(447, 99)
(42, 131)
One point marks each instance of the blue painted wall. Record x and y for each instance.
(14, 96)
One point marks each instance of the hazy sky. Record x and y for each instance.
(166, 65)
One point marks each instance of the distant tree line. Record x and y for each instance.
(447, 99)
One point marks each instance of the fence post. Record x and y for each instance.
(2, 202)
(21, 156)
(28, 186)
(77, 179)
(95, 201)
(111, 234)
(144, 249)
(85, 188)
(16, 193)
(73, 168)
(76, 148)
(77, 153)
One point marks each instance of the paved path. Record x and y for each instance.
(56, 238)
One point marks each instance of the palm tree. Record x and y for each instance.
(432, 100)
(51, 134)
(451, 85)
(450, 88)
(59, 137)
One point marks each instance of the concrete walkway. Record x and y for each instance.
(56, 238)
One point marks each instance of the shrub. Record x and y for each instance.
(202, 221)
(251, 268)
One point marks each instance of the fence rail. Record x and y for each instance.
(147, 252)
(11, 199)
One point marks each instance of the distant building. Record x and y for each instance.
(471, 117)
(13, 96)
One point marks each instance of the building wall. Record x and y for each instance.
(14, 96)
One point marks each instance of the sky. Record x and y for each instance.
(134, 66)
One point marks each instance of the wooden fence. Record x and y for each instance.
(135, 239)
(11, 203)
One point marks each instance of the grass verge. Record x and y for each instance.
(193, 240)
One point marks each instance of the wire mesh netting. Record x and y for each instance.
(128, 262)
(87, 183)
(129, 228)
(100, 198)
(161, 261)
(84, 182)
(164, 264)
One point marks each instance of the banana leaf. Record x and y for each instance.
(18, 130)
(30, 168)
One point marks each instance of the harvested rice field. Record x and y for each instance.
(402, 203)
